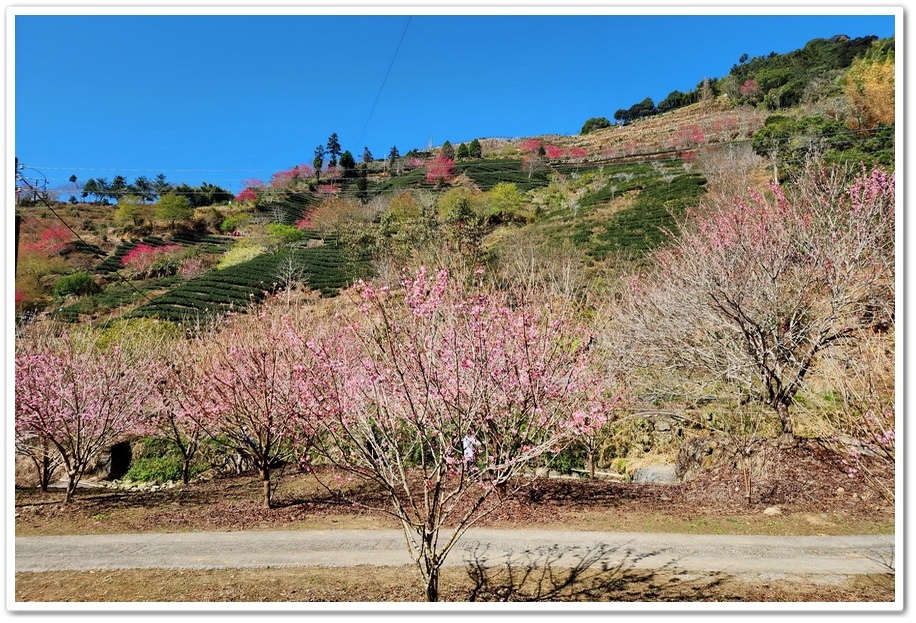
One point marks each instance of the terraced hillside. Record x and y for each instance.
(325, 268)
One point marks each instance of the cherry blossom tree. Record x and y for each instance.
(532, 145)
(752, 293)
(79, 396)
(178, 387)
(36, 447)
(417, 375)
(252, 372)
(439, 170)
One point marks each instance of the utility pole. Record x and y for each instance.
(17, 177)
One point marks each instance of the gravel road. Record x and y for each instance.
(764, 556)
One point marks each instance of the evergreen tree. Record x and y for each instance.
(462, 151)
(348, 164)
(362, 181)
(474, 149)
(595, 123)
(447, 151)
(160, 186)
(367, 155)
(393, 155)
(334, 150)
(318, 161)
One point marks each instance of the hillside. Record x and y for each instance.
(605, 197)
(713, 319)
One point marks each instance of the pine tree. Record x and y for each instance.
(393, 155)
(474, 149)
(334, 150)
(318, 162)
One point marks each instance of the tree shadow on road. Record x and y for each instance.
(599, 573)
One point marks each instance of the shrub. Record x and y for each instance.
(157, 460)
(155, 469)
(285, 234)
(506, 204)
(449, 202)
(233, 222)
(77, 284)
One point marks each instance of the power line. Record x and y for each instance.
(384, 80)
(86, 245)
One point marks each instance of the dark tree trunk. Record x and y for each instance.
(265, 480)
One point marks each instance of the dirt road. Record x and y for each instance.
(763, 556)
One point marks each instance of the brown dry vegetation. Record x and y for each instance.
(373, 584)
(807, 483)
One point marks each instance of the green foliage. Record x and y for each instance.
(132, 210)
(290, 206)
(505, 204)
(474, 149)
(455, 200)
(174, 209)
(77, 284)
(285, 234)
(784, 79)
(488, 173)
(348, 164)
(403, 207)
(155, 469)
(158, 460)
(234, 222)
(595, 123)
(792, 141)
(141, 330)
(677, 99)
(567, 460)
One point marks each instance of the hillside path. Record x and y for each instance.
(766, 556)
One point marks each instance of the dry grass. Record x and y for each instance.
(399, 584)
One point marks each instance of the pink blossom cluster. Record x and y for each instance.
(440, 169)
(246, 196)
(52, 240)
(146, 261)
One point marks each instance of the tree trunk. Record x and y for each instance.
(432, 586)
(186, 470)
(46, 472)
(785, 420)
(72, 480)
(431, 564)
(265, 480)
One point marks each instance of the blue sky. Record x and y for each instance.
(224, 98)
